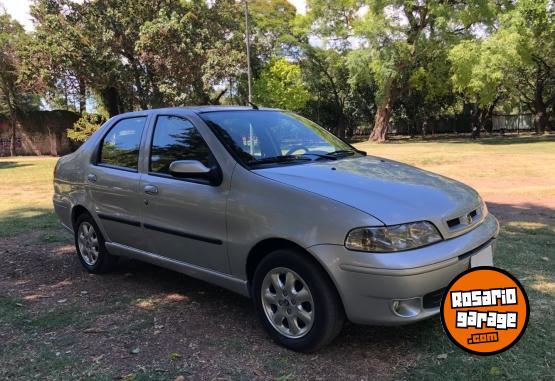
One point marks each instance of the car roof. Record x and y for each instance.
(203, 109)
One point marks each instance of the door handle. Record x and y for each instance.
(151, 189)
(91, 178)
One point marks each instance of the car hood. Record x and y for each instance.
(390, 191)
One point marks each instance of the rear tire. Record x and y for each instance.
(90, 246)
(296, 301)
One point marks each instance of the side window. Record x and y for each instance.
(174, 139)
(120, 146)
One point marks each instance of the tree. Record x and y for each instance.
(13, 92)
(518, 57)
(280, 85)
(479, 72)
(85, 127)
(271, 22)
(176, 45)
(534, 20)
(67, 58)
(270, 27)
(326, 74)
(138, 54)
(66, 54)
(394, 33)
(97, 45)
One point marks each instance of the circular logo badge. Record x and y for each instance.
(485, 310)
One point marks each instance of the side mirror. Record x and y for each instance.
(194, 169)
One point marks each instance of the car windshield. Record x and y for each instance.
(260, 137)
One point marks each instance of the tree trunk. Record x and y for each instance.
(485, 119)
(82, 96)
(541, 120)
(13, 125)
(136, 70)
(110, 98)
(156, 98)
(341, 126)
(381, 122)
(424, 128)
(475, 122)
(486, 115)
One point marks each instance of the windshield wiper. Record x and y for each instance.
(341, 152)
(278, 159)
(304, 157)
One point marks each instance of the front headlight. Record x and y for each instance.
(383, 239)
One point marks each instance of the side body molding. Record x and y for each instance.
(223, 280)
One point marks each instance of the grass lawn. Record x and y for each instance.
(516, 177)
(154, 324)
(26, 189)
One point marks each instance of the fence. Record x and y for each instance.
(455, 124)
(522, 122)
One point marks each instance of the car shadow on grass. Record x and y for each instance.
(12, 164)
(523, 212)
(27, 219)
(512, 140)
(226, 326)
(176, 323)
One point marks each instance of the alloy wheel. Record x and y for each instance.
(287, 302)
(87, 239)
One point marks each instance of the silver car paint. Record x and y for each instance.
(175, 207)
(393, 192)
(312, 205)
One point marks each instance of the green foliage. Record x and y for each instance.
(139, 54)
(396, 39)
(271, 26)
(280, 85)
(517, 60)
(15, 94)
(343, 64)
(85, 127)
(482, 68)
(326, 75)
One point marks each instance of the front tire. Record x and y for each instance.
(90, 246)
(296, 301)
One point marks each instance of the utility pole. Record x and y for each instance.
(248, 42)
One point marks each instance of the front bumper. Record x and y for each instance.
(373, 285)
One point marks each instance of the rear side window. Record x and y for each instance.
(175, 139)
(120, 146)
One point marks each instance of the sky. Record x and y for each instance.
(19, 10)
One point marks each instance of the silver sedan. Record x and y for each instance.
(270, 205)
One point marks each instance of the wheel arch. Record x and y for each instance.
(77, 211)
(266, 246)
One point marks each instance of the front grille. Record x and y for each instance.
(463, 221)
(454, 222)
(433, 299)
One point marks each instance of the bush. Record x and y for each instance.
(85, 127)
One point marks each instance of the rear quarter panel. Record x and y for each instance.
(69, 178)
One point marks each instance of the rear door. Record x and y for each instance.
(113, 182)
(184, 219)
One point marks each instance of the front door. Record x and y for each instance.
(183, 219)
